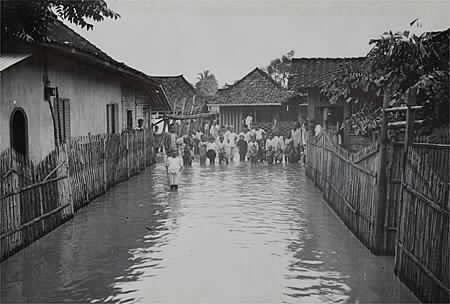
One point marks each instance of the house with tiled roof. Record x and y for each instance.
(258, 95)
(306, 77)
(180, 94)
(65, 86)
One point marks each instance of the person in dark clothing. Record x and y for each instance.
(187, 156)
(242, 146)
(211, 150)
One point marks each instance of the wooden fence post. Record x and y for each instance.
(105, 164)
(409, 128)
(407, 142)
(64, 184)
(382, 180)
(145, 149)
(15, 207)
(70, 192)
(128, 154)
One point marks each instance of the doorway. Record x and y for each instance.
(19, 131)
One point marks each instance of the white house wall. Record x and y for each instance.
(89, 89)
(22, 87)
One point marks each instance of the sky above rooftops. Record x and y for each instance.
(230, 38)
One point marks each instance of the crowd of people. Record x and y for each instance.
(219, 144)
(222, 145)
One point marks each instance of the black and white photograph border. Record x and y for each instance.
(205, 151)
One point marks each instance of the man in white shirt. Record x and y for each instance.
(259, 134)
(248, 136)
(227, 134)
(317, 129)
(248, 121)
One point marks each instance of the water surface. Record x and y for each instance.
(236, 234)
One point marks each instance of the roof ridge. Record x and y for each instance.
(239, 80)
(85, 40)
(265, 74)
(256, 69)
(167, 76)
(329, 58)
(181, 76)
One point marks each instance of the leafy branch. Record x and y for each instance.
(30, 19)
(399, 61)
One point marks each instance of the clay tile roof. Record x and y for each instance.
(257, 87)
(61, 36)
(310, 72)
(177, 90)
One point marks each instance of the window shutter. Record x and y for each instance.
(116, 118)
(112, 118)
(66, 120)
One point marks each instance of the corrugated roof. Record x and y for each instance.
(310, 72)
(8, 60)
(257, 87)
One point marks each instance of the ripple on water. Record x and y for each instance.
(253, 234)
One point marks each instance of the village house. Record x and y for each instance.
(182, 98)
(87, 91)
(306, 77)
(258, 95)
(180, 93)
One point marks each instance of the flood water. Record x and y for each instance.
(236, 234)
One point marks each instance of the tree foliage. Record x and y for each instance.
(207, 84)
(279, 69)
(30, 19)
(399, 61)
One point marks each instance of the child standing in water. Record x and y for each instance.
(211, 151)
(242, 147)
(174, 166)
(228, 149)
(202, 150)
(221, 151)
(253, 150)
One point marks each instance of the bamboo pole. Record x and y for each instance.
(382, 180)
(105, 164)
(192, 110)
(406, 145)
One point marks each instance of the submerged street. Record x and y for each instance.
(232, 234)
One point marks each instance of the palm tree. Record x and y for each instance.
(206, 84)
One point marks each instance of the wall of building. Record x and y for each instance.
(88, 88)
(22, 87)
(139, 103)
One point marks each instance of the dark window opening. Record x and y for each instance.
(129, 119)
(112, 118)
(63, 111)
(19, 132)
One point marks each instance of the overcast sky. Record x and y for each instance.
(170, 37)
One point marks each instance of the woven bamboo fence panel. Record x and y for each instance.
(422, 258)
(96, 163)
(348, 182)
(34, 199)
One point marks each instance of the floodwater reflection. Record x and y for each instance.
(236, 234)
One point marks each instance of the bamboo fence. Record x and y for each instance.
(34, 199)
(349, 184)
(422, 258)
(416, 220)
